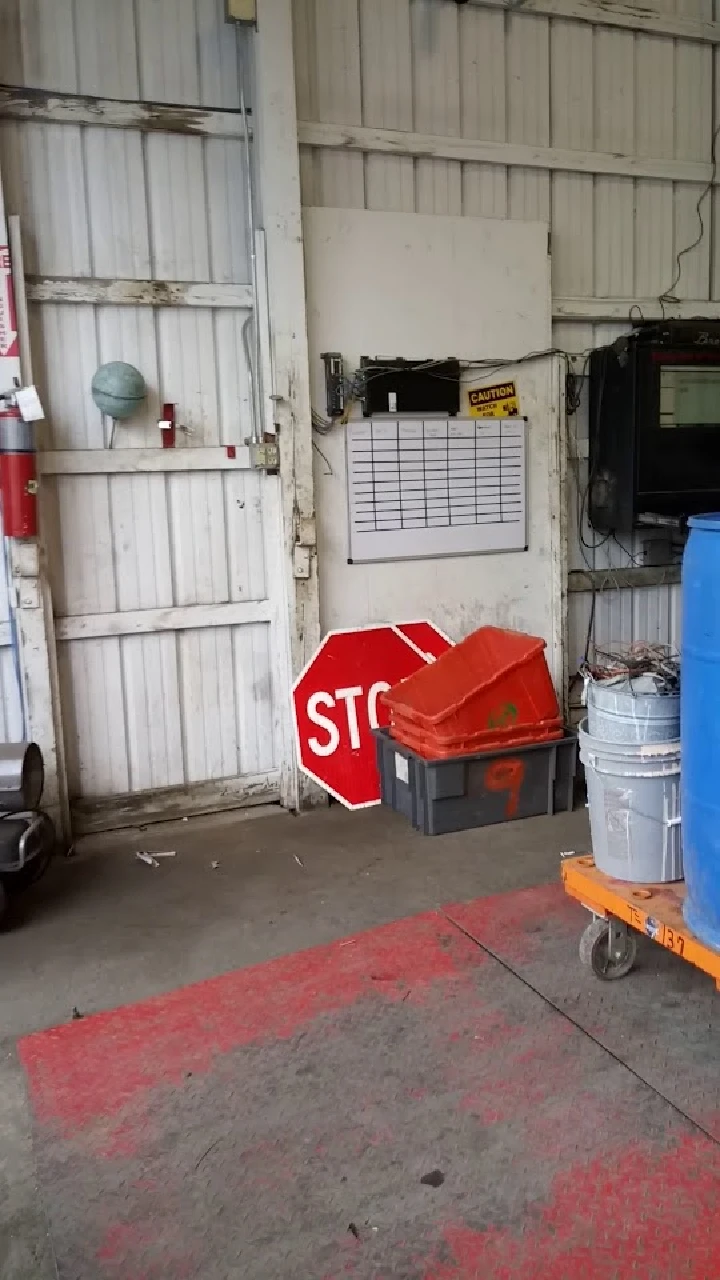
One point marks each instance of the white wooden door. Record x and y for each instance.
(166, 574)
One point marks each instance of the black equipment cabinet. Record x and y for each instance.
(655, 424)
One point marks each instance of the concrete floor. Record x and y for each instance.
(102, 929)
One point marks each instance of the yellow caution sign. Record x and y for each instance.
(497, 401)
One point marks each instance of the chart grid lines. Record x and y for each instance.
(435, 486)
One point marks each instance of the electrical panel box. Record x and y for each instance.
(417, 387)
(334, 383)
(243, 11)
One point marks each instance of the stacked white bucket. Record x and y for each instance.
(630, 747)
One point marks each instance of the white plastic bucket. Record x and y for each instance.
(625, 710)
(634, 802)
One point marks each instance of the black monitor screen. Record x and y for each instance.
(689, 397)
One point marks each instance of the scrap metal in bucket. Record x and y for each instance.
(639, 659)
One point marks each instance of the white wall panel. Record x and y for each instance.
(126, 542)
(47, 44)
(105, 59)
(140, 532)
(387, 98)
(93, 717)
(483, 107)
(44, 182)
(65, 356)
(178, 51)
(188, 376)
(152, 712)
(436, 102)
(225, 178)
(11, 719)
(178, 224)
(117, 204)
(338, 90)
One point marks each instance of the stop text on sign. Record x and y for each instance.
(332, 730)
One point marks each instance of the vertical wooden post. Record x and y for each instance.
(277, 166)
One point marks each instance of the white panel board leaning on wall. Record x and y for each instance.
(428, 287)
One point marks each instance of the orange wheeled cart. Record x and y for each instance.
(621, 911)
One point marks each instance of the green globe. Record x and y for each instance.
(118, 389)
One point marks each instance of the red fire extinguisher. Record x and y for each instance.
(18, 473)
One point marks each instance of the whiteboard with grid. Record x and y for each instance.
(435, 487)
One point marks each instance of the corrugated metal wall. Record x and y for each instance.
(468, 72)
(11, 715)
(188, 703)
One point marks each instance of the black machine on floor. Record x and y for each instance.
(27, 835)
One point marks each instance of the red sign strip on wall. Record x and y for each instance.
(9, 345)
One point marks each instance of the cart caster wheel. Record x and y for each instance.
(4, 908)
(595, 953)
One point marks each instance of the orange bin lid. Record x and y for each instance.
(470, 669)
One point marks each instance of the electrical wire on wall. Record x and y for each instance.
(669, 296)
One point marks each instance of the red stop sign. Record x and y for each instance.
(336, 705)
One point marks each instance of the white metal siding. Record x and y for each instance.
(467, 72)
(11, 716)
(189, 704)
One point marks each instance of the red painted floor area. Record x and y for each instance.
(402, 1103)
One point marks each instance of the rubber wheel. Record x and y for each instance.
(594, 952)
(4, 908)
(21, 880)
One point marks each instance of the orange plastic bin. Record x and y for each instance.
(492, 688)
(435, 747)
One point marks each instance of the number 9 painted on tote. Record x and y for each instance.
(506, 775)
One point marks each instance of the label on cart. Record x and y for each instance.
(652, 928)
(402, 769)
(673, 941)
(659, 932)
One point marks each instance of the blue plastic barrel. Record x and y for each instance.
(700, 727)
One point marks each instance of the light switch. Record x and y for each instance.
(241, 11)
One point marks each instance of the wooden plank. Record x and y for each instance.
(401, 143)
(296, 599)
(18, 103)
(136, 622)
(613, 13)
(616, 579)
(103, 462)
(112, 813)
(614, 309)
(137, 293)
